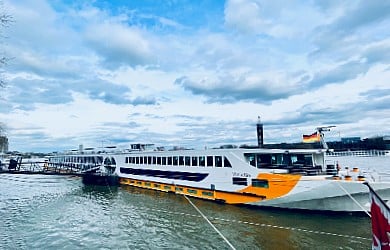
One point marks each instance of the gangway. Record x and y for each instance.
(18, 166)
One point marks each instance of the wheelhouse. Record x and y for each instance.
(292, 161)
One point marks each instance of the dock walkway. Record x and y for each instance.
(36, 167)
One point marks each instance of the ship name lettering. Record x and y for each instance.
(238, 174)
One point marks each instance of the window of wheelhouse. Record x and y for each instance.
(281, 159)
(308, 160)
(276, 159)
(251, 159)
(301, 160)
(268, 160)
(169, 160)
(263, 160)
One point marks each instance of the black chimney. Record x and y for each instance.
(260, 138)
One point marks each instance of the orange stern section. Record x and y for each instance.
(278, 185)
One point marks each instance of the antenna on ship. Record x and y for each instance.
(260, 133)
(320, 131)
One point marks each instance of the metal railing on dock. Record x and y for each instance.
(17, 166)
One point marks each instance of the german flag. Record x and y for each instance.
(315, 137)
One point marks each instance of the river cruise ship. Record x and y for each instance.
(279, 178)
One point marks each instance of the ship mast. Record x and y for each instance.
(260, 133)
(320, 130)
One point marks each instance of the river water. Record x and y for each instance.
(59, 212)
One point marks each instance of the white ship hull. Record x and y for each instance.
(293, 179)
(335, 196)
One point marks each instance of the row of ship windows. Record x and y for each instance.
(202, 161)
(77, 159)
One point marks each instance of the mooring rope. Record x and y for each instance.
(369, 215)
(255, 224)
(211, 224)
(109, 188)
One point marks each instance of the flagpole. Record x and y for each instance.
(380, 221)
(376, 195)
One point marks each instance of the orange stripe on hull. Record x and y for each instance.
(227, 197)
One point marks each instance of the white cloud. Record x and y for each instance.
(83, 73)
(118, 43)
(279, 19)
(245, 15)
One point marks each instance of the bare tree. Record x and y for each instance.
(5, 20)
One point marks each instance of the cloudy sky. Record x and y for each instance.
(192, 73)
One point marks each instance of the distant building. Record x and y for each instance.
(350, 140)
(356, 143)
(386, 140)
(3, 144)
(379, 142)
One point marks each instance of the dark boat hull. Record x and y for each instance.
(95, 179)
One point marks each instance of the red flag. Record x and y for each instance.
(380, 220)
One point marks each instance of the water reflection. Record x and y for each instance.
(271, 229)
(48, 212)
